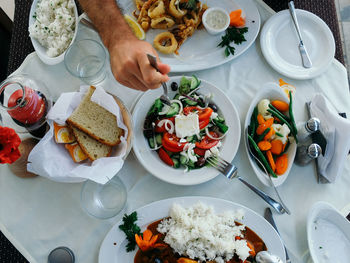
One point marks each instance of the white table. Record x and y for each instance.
(37, 215)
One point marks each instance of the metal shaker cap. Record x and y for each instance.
(313, 124)
(61, 255)
(314, 150)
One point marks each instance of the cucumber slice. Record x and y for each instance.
(159, 139)
(176, 162)
(177, 96)
(195, 82)
(183, 159)
(151, 142)
(190, 102)
(174, 109)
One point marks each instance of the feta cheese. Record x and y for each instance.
(186, 125)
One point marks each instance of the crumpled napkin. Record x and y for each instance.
(52, 160)
(336, 130)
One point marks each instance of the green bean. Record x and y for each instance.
(291, 115)
(276, 110)
(262, 157)
(286, 148)
(282, 119)
(261, 136)
(253, 121)
(279, 134)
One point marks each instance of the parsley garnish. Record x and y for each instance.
(235, 35)
(130, 229)
(191, 5)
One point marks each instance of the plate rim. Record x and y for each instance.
(264, 45)
(215, 173)
(194, 199)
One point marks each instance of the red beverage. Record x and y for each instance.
(30, 110)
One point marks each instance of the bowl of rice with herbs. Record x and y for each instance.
(52, 28)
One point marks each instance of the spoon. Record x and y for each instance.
(267, 257)
(164, 98)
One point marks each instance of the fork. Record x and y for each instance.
(164, 98)
(231, 172)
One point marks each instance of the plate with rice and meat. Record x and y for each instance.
(190, 230)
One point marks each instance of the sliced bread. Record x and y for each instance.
(92, 148)
(96, 121)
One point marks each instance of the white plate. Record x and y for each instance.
(150, 160)
(40, 50)
(110, 253)
(200, 51)
(269, 91)
(279, 44)
(328, 234)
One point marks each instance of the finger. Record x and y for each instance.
(150, 76)
(163, 68)
(135, 83)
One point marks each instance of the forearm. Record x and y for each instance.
(108, 19)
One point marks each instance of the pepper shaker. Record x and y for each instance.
(304, 131)
(306, 153)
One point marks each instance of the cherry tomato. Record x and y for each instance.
(172, 142)
(170, 149)
(162, 129)
(199, 151)
(203, 114)
(165, 157)
(207, 143)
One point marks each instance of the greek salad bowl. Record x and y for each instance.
(55, 23)
(273, 141)
(173, 142)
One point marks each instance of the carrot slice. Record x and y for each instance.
(262, 127)
(281, 164)
(251, 247)
(276, 147)
(261, 119)
(269, 134)
(264, 145)
(235, 18)
(280, 105)
(271, 160)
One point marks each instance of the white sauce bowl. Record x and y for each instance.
(210, 11)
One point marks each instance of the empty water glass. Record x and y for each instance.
(86, 59)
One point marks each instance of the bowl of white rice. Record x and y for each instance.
(52, 28)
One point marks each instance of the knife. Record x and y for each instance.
(268, 216)
(302, 49)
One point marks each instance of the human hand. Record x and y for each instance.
(131, 68)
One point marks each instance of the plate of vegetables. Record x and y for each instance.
(173, 142)
(270, 132)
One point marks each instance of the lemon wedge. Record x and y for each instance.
(136, 28)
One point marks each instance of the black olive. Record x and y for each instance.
(148, 133)
(213, 106)
(174, 86)
(147, 124)
(200, 162)
(157, 260)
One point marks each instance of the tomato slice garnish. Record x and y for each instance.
(199, 151)
(170, 141)
(165, 157)
(170, 149)
(203, 114)
(162, 129)
(207, 143)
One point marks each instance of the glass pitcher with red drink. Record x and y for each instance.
(24, 104)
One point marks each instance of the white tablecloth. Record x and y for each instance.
(37, 215)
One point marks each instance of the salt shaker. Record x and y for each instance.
(306, 153)
(304, 131)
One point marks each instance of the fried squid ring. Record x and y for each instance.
(165, 42)
(163, 22)
(156, 9)
(139, 3)
(174, 9)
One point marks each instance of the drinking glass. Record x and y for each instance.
(104, 201)
(86, 59)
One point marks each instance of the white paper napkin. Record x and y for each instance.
(52, 160)
(336, 130)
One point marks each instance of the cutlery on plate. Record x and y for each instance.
(267, 174)
(230, 171)
(302, 49)
(88, 24)
(268, 216)
(267, 257)
(164, 98)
